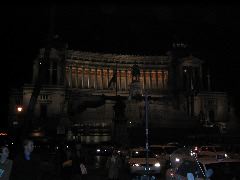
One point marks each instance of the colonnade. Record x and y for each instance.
(92, 77)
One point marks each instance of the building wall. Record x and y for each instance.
(212, 101)
(101, 115)
(92, 72)
(53, 98)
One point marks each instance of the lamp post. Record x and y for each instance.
(146, 132)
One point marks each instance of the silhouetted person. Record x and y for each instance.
(79, 170)
(76, 171)
(5, 164)
(25, 165)
(66, 171)
(113, 165)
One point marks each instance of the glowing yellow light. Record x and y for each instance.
(3, 134)
(19, 109)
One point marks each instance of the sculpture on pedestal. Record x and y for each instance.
(119, 134)
(135, 86)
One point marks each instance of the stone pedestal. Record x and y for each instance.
(119, 133)
(135, 89)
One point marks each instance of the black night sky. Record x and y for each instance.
(210, 30)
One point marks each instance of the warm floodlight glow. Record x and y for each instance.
(19, 109)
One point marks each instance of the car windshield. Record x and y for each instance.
(142, 154)
(224, 170)
(190, 167)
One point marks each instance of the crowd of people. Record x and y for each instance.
(70, 162)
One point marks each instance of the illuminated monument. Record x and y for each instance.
(80, 87)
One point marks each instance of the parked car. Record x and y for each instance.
(163, 149)
(138, 164)
(210, 150)
(162, 152)
(176, 158)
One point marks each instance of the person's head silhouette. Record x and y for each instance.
(28, 148)
(4, 153)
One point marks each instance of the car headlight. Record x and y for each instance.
(193, 153)
(225, 155)
(98, 150)
(137, 165)
(157, 164)
(177, 160)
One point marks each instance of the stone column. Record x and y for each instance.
(113, 86)
(102, 78)
(163, 83)
(107, 77)
(70, 76)
(95, 81)
(92, 84)
(156, 79)
(76, 76)
(89, 72)
(120, 81)
(83, 72)
(126, 80)
(150, 77)
(51, 73)
(129, 77)
(144, 79)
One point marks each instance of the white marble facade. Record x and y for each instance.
(86, 74)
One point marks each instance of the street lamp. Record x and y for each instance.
(19, 109)
(146, 133)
